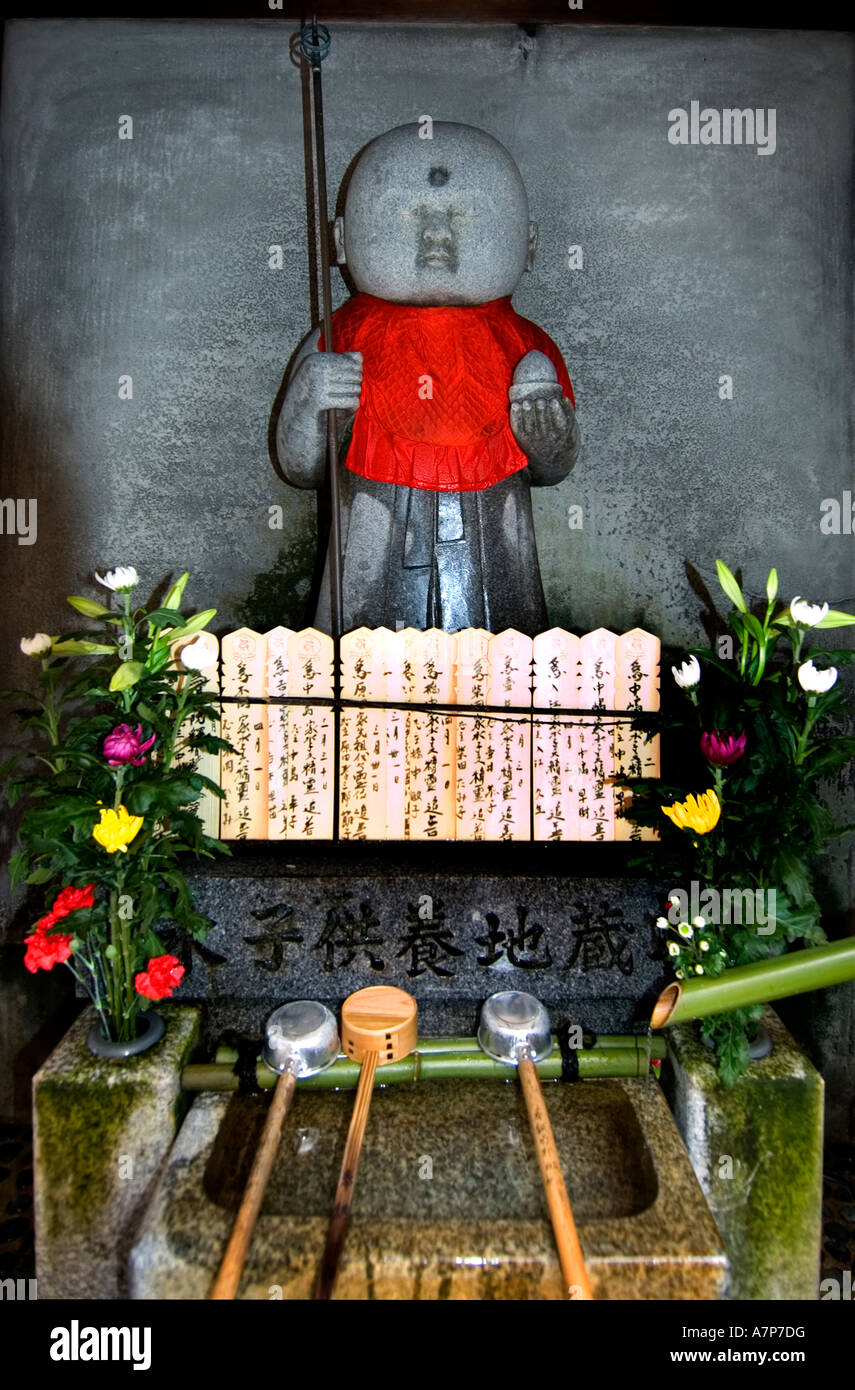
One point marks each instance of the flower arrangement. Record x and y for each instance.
(757, 735)
(111, 804)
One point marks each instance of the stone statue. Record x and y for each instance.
(450, 405)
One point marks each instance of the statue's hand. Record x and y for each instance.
(321, 381)
(542, 420)
(328, 381)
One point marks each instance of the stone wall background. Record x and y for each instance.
(150, 257)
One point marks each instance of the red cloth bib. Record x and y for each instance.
(433, 412)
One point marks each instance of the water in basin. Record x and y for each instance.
(448, 1150)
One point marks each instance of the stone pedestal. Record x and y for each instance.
(757, 1153)
(101, 1131)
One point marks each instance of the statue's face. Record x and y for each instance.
(440, 221)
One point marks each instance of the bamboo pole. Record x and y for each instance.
(563, 1225)
(226, 1283)
(607, 1042)
(759, 983)
(340, 1216)
(619, 1056)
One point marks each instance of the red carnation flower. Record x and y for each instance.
(164, 974)
(722, 748)
(70, 899)
(46, 949)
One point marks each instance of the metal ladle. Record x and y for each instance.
(515, 1029)
(301, 1039)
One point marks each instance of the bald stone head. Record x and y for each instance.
(436, 221)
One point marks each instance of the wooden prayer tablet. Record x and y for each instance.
(379, 1019)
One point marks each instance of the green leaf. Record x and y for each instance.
(146, 712)
(833, 618)
(176, 593)
(733, 1057)
(208, 743)
(17, 867)
(755, 628)
(127, 675)
(772, 585)
(161, 793)
(74, 647)
(794, 876)
(88, 607)
(194, 624)
(42, 875)
(730, 586)
(164, 617)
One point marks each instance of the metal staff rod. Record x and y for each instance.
(314, 47)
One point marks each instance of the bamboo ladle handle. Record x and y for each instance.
(226, 1283)
(340, 1217)
(564, 1227)
(378, 1025)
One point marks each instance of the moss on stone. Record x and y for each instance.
(770, 1125)
(80, 1125)
(90, 1113)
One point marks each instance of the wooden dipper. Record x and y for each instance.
(378, 1025)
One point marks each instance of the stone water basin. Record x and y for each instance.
(448, 1201)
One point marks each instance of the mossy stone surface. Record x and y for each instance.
(101, 1129)
(757, 1153)
(472, 1224)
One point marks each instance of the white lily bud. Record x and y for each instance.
(816, 682)
(199, 654)
(36, 646)
(688, 674)
(807, 614)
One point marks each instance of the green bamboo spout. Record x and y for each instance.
(758, 983)
(434, 1059)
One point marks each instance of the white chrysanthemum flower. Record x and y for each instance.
(807, 614)
(699, 970)
(120, 580)
(679, 974)
(704, 945)
(816, 682)
(688, 674)
(685, 930)
(662, 923)
(673, 948)
(699, 922)
(199, 654)
(36, 646)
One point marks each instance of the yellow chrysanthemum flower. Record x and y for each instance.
(116, 829)
(698, 813)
